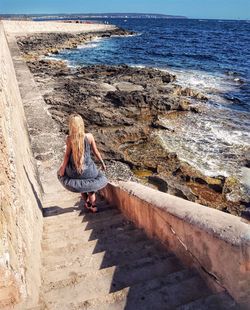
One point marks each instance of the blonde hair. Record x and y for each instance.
(76, 134)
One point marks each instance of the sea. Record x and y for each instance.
(210, 56)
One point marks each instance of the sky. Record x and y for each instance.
(220, 9)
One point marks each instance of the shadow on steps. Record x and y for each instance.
(123, 269)
(56, 210)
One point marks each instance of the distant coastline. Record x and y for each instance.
(92, 15)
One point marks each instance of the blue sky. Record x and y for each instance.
(227, 9)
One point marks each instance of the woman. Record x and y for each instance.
(78, 173)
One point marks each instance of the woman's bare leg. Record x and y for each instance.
(84, 196)
(92, 200)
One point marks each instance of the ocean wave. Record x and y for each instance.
(55, 58)
(211, 145)
(232, 137)
(91, 44)
(137, 34)
(156, 53)
(200, 56)
(87, 45)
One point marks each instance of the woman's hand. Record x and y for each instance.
(61, 171)
(103, 166)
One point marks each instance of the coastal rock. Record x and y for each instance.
(44, 43)
(128, 87)
(178, 90)
(124, 107)
(105, 87)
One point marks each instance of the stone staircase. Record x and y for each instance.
(102, 261)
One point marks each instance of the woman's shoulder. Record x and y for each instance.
(89, 136)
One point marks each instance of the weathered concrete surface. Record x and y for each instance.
(29, 27)
(218, 244)
(46, 142)
(20, 196)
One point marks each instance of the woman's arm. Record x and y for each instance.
(95, 150)
(66, 157)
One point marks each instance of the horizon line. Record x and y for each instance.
(180, 16)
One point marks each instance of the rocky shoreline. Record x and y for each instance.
(123, 107)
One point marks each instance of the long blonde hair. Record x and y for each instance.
(76, 134)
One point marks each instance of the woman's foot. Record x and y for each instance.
(84, 196)
(91, 202)
(93, 209)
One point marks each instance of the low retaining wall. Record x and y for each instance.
(216, 243)
(20, 193)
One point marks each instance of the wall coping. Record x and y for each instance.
(224, 226)
(217, 244)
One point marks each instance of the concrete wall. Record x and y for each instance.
(216, 243)
(20, 214)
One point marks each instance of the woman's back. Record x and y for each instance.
(89, 167)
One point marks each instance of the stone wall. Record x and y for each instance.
(216, 243)
(20, 194)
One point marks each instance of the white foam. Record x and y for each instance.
(138, 66)
(54, 58)
(88, 45)
(127, 35)
(91, 44)
(209, 141)
(233, 137)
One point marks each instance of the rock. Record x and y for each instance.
(246, 177)
(105, 87)
(53, 42)
(159, 124)
(117, 170)
(232, 189)
(161, 184)
(184, 105)
(128, 87)
(189, 93)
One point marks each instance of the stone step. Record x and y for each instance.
(162, 297)
(91, 285)
(120, 238)
(121, 241)
(114, 253)
(219, 301)
(54, 207)
(62, 196)
(133, 297)
(75, 217)
(88, 263)
(69, 232)
(56, 213)
(114, 231)
(74, 223)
